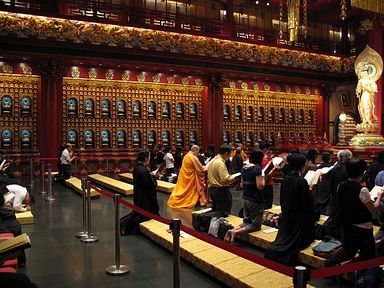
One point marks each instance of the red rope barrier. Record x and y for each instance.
(98, 190)
(346, 268)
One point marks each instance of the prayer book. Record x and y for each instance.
(270, 230)
(276, 161)
(2, 164)
(233, 176)
(374, 192)
(19, 242)
(154, 171)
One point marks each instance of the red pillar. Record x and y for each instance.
(230, 20)
(50, 127)
(375, 41)
(213, 111)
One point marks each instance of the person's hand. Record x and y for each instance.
(380, 193)
(205, 169)
(28, 208)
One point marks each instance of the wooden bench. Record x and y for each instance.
(227, 267)
(25, 217)
(162, 186)
(75, 184)
(113, 184)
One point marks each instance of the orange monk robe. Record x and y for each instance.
(190, 184)
(243, 155)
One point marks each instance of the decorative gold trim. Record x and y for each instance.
(269, 94)
(75, 72)
(7, 68)
(109, 75)
(27, 70)
(27, 26)
(92, 73)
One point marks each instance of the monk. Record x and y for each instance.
(190, 183)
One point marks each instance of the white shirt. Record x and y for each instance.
(365, 197)
(65, 157)
(169, 161)
(16, 195)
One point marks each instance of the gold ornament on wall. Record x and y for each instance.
(232, 85)
(343, 10)
(27, 70)
(256, 87)
(126, 75)
(109, 74)
(171, 80)
(244, 86)
(141, 77)
(198, 82)
(185, 81)
(365, 26)
(92, 73)
(156, 78)
(75, 72)
(267, 87)
(7, 68)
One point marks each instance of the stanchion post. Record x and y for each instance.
(84, 231)
(50, 198)
(300, 277)
(175, 227)
(107, 164)
(43, 178)
(89, 238)
(32, 180)
(117, 269)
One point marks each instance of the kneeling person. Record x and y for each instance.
(17, 198)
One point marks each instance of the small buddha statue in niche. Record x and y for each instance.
(25, 139)
(151, 138)
(105, 139)
(226, 112)
(72, 137)
(226, 137)
(6, 139)
(105, 108)
(165, 138)
(6, 105)
(88, 109)
(238, 138)
(249, 113)
(121, 138)
(179, 138)
(165, 110)
(179, 110)
(260, 114)
(121, 108)
(151, 109)
(282, 115)
(136, 139)
(88, 138)
(25, 106)
(250, 139)
(192, 110)
(238, 113)
(192, 137)
(136, 109)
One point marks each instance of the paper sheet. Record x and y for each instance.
(270, 230)
(233, 176)
(374, 192)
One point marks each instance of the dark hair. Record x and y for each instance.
(3, 189)
(2, 200)
(294, 150)
(380, 157)
(355, 167)
(225, 149)
(167, 149)
(142, 155)
(312, 154)
(179, 149)
(211, 148)
(297, 161)
(326, 156)
(256, 157)
(264, 145)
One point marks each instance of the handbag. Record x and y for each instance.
(327, 248)
(214, 225)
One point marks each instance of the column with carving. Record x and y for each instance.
(50, 128)
(323, 112)
(213, 111)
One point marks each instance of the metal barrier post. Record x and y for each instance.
(32, 180)
(107, 168)
(117, 269)
(50, 198)
(43, 178)
(300, 277)
(175, 227)
(84, 231)
(89, 238)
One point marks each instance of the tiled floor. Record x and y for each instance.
(57, 259)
